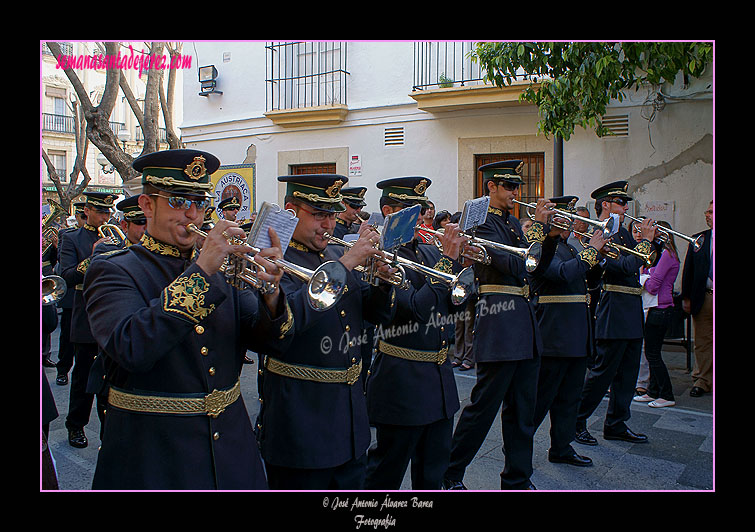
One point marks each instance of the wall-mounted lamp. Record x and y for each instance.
(207, 81)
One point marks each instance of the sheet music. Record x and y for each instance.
(399, 227)
(475, 212)
(282, 221)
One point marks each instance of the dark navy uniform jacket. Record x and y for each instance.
(619, 315)
(75, 256)
(342, 228)
(566, 327)
(406, 392)
(173, 330)
(505, 325)
(316, 425)
(67, 300)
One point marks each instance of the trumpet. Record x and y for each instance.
(663, 234)
(612, 250)
(324, 285)
(113, 233)
(397, 278)
(53, 289)
(461, 285)
(530, 255)
(606, 226)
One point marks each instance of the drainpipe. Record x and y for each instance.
(558, 166)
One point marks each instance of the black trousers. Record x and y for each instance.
(80, 402)
(656, 324)
(427, 447)
(348, 476)
(65, 347)
(513, 385)
(559, 390)
(617, 363)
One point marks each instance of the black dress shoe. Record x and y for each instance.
(585, 438)
(77, 438)
(453, 485)
(627, 435)
(46, 362)
(248, 360)
(572, 459)
(696, 391)
(61, 380)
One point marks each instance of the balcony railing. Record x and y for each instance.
(65, 124)
(445, 64)
(305, 74)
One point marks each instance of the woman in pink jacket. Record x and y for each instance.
(661, 283)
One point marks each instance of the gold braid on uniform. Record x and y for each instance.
(589, 255)
(644, 247)
(536, 232)
(443, 265)
(185, 297)
(84, 265)
(289, 322)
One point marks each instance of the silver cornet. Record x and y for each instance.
(663, 234)
(324, 285)
(53, 289)
(606, 226)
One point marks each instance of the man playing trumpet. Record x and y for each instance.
(618, 326)
(175, 333)
(411, 391)
(313, 427)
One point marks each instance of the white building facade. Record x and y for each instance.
(376, 110)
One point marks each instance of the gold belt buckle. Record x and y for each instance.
(442, 356)
(215, 403)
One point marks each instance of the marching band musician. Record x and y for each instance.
(618, 326)
(313, 427)
(230, 208)
(132, 226)
(507, 342)
(411, 390)
(348, 221)
(564, 319)
(175, 333)
(76, 251)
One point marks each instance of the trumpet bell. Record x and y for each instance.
(53, 289)
(326, 285)
(532, 258)
(463, 286)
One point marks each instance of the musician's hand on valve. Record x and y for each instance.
(543, 210)
(217, 246)
(451, 241)
(272, 273)
(597, 241)
(364, 248)
(647, 229)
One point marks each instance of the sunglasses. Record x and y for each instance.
(179, 202)
(508, 186)
(619, 201)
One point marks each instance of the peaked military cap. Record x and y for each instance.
(100, 200)
(79, 206)
(407, 190)
(229, 203)
(617, 189)
(321, 191)
(565, 203)
(179, 171)
(509, 171)
(131, 210)
(354, 196)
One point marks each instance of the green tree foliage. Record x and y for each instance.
(573, 82)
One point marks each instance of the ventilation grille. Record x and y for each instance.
(394, 136)
(618, 125)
